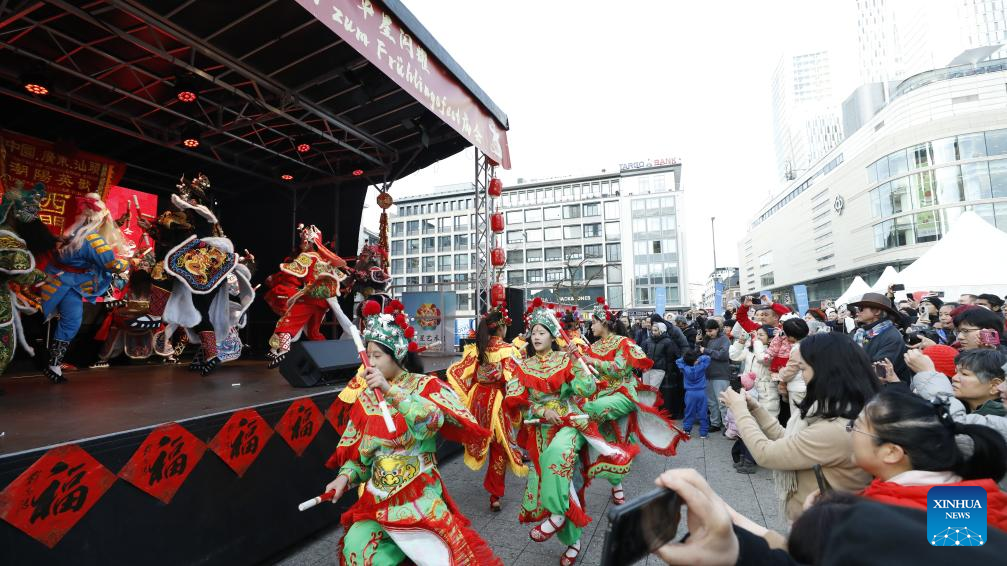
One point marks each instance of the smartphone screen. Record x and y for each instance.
(641, 526)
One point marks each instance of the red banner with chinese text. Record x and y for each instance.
(370, 28)
(163, 461)
(300, 424)
(241, 440)
(48, 498)
(67, 173)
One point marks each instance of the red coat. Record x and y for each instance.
(915, 496)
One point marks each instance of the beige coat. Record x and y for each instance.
(824, 442)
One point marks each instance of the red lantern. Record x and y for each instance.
(496, 188)
(498, 294)
(498, 257)
(497, 222)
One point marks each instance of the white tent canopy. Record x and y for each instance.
(854, 292)
(888, 277)
(966, 260)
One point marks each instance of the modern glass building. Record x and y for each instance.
(571, 240)
(891, 189)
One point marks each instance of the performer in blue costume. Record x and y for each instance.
(91, 251)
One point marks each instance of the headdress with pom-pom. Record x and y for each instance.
(541, 313)
(601, 311)
(389, 328)
(501, 309)
(569, 318)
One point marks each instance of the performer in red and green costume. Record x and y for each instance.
(621, 415)
(404, 511)
(548, 383)
(480, 380)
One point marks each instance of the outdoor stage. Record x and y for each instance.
(155, 464)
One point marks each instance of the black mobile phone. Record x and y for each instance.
(641, 526)
(823, 485)
(880, 371)
(898, 287)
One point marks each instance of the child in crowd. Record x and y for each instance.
(693, 367)
(744, 462)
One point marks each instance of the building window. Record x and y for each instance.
(612, 231)
(412, 246)
(429, 264)
(461, 262)
(614, 273)
(613, 252)
(515, 217)
(592, 251)
(396, 229)
(412, 265)
(643, 296)
(533, 256)
(592, 230)
(572, 232)
(428, 245)
(515, 277)
(412, 227)
(428, 226)
(444, 224)
(534, 275)
(766, 279)
(397, 266)
(533, 215)
(551, 213)
(397, 247)
(533, 235)
(576, 274)
(592, 209)
(515, 257)
(554, 233)
(614, 297)
(766, 259)
(571, 211)
(462, 242)
(444, 263)
(461, 277)
(462, 222)
(572, 252)
(554, 274)
(612, 209)
(553, 254)
(515, 236)
(464, 301)
(655, 247)
(593, 273)
(443, 243)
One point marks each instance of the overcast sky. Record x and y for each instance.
(589, 84)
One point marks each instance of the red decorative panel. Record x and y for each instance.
(241, 440)
(300, 424)
(161, 464)
(338, 413)
(48, 498)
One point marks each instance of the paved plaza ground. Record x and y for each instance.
(751, 495)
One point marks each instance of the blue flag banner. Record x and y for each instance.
(801, 298)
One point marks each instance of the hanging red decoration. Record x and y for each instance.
(497, 222)
(498, 294)
(495, 188)
(498, 257)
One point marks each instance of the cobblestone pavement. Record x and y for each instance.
(751, 495)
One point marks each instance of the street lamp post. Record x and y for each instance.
(713, 230)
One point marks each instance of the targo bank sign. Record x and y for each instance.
(660, 162)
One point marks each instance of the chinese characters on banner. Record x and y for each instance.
(163, 461)
(241, 440)
(48, 498)
(369, 28)
(299, 425)
(31, 160)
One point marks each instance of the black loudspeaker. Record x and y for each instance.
(516, 307)
(320, 363)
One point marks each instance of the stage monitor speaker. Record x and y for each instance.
(322, 362)
(516, 307)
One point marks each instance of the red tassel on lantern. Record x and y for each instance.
(498, 257)
(496, 188)
(498, 294)
(497, 222)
